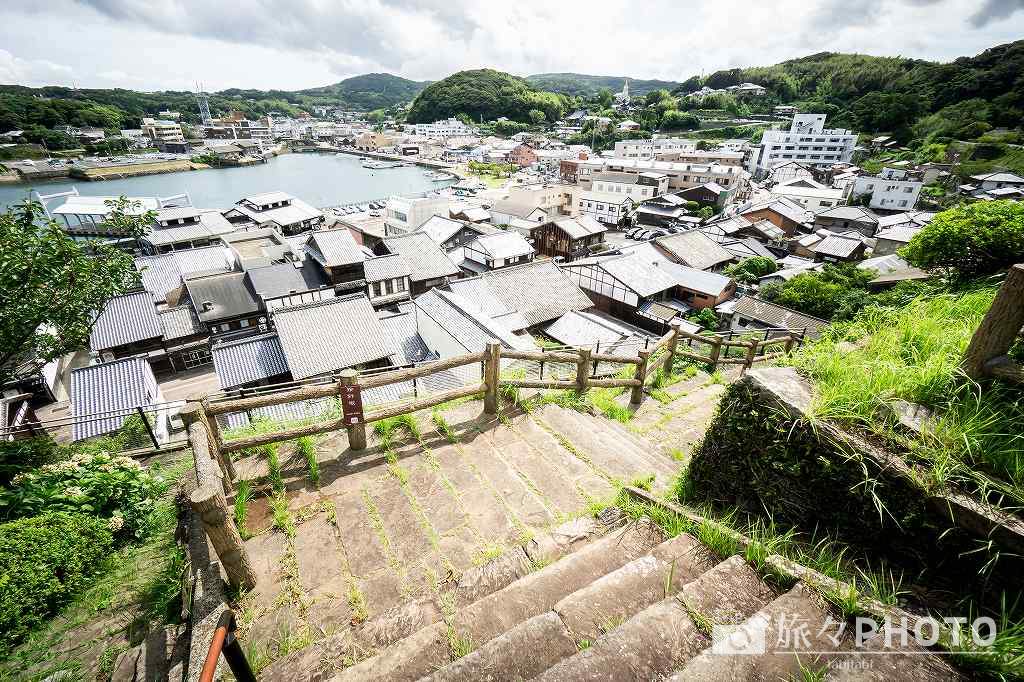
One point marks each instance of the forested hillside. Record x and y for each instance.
(486, 94)
(583, 85)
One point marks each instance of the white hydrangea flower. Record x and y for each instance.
(116, 523)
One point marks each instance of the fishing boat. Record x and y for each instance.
(437, 176)
(377, 165)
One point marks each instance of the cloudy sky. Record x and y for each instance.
(293, 44)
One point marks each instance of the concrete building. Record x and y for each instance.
(890, 190)
(812, 195)
(807, 141)
(403, 215)
(450, 127)
(650, 149)
(162, 131)
(680, 175)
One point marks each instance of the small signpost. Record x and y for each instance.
(352, 403)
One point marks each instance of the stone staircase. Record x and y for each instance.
(562, 596)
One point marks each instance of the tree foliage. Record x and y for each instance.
(749, 270)
(835, 293)
(52, 286)
(484, 94)
(970, 239)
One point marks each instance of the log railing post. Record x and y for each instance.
(492, 375)
(790, 340)
(716, 350)
(354, 424)
(216, 439)
(637, 395)
(748, 361)
(203, 447)
(670, 359)
(1000, 326)
(210, 505)
(195, 411)
(583, 370)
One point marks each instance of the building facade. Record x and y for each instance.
(807, 141)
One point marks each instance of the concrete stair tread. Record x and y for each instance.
(727, 594)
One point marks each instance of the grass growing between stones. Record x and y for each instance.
(913, 353)
(274, 467)
(306, 447)
(443, 427)
(242, 498)
(282, 517)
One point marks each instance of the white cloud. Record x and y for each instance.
(293, 44)
(33, 71)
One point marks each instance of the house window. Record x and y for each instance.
(401, 284)
(376, 289)
(908, 190)
(387, 287)
(903, 202)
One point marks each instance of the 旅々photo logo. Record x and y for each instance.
(750, 638)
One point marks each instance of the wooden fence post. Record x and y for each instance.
(670, 359)
(1000, 326)
(637, 395)
(790, 340)
(210, 505)
(583, 370)
(213, 428)
(492, 375)
(203, 446)
(748, 361)
(716, 350)
(354, 423)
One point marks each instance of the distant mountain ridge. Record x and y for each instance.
(370, 90)
(585, 85)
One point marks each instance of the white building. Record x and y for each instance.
(680, 175)
(636, 186)
(450, 127)
(807, 141)
(403, 215)
(607, 208)
(649, 149)
(162, 131)
(890, 190)
(813, 196)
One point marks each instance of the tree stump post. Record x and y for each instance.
(637, 395)
(194, 412)
(199, 440)
(210, 505)
(673, 343)
(1000, 326)
(492, 376)
(715, 351)
(748, 361)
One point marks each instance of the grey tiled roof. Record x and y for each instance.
(470, 329)
(849, 213)
(440, 229)
(327, 336)
(538, 290)
(163, 273)
(425, 258)
(114, 387)
(250, 359)
(632, 271)
(284, 278)
(694, 248)
(581, 226)
(834, 245)
(507, 244)
(334, 247)
(402, 327)
(477, 293)
(778, 316)
(180, 322)
(229, 294)
(125, 319)
(385, 267)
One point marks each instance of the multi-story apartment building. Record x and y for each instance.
(890, 190)
(650, 149)
(162, 131)
(403, 215)
(450, 127)
(636, 186)
(807, 141)
(721, 157)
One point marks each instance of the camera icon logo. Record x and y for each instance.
(748, 639)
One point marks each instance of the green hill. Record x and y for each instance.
(583, 85)
(369, 91)
(484, 94)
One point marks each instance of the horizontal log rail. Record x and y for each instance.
(398, 376)
(271, 399)
(542, 383)
(237, 444)
(396, 409)
(622, 360)
(613, 383)
(539, 356)
(1003, 367)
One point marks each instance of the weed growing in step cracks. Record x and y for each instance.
(387, 429)
(487, 553)
(282, 518)
(274, 465)
(643, 482)
(242, 498)
(847, 600)
(443, 427)
(356, 602)
(809, 673)
(583, 644)
(306, 447)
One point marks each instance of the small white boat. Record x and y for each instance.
(438, 176)
(376, 165)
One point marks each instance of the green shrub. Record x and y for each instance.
(972, 239)
(113, 488)
(24, 455)
(44, 561)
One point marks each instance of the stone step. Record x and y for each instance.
(873, 660)
(664, 636)
(536, 644)
(351, 644)
(431, 648)
(619, 458)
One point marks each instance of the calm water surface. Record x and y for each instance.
(318, 179)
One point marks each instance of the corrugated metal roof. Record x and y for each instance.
(701, 281)
(164, 273)
(402, 327)
(834, 245)
(539, 290)
(632, 270)
(180, 322)
(327, 336)
(585, 329)
(334, 247)
(118, 386)
(251, 359)
(385, 267)
(229, 294)
(580, 226)
(694, 248)
(278, 280)
(126, 319)
(425, 258)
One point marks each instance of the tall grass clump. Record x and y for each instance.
(913, 353)
(387, 429)
(242, 499)
(307, 448)
(274, 467)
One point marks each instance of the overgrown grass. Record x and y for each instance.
(387, 430)
(443, 427)
(242, 498)
(913, 353)
(306, 447)
(282, 517)
(274, 467)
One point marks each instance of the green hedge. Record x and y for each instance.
(44, 561)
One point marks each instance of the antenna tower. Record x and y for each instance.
(204, 104)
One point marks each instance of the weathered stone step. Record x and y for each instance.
(540, 642)
(618, 457)
(348, 645)
(432, 647)
(664, 636)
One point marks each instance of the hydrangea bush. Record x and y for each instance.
(100, 484)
